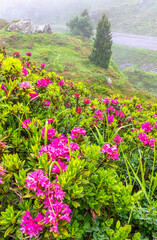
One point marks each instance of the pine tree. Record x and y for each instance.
(101, 52)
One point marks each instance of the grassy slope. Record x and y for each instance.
(138, 62)
(127, 16)
(69, 56)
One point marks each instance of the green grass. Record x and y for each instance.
(68, 56)
(144, 80)
(130, 56)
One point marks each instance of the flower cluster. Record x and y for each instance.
(25, 85)
(31, 226)
(147, 127)
(111, 151)
(86, 101)
(2, 172)
(98, 115)
(144, 138)
(117, 139)
(46, 103)
(43, 82)
(34, 95)
(50, 133)
(77, 132)
(52, 198)
(24, 71)
(58, 151)
(78, 110)
(16, 54)
(25, 123)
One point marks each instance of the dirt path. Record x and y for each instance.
(135, 41)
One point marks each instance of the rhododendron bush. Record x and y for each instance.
(73, 167)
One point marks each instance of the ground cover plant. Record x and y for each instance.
(68, 56)
(73, 166)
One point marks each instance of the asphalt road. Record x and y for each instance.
(138, 41)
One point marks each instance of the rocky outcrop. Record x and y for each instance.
(27, 27)
(43, 29)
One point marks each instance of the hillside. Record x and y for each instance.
(129, 16)
(69, 56)
(73, 166)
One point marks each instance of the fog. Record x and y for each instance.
(52, 11)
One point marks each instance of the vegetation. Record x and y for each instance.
(101, 52)
(72, 166)
(139, 65)
(3, 23)
(82, 25)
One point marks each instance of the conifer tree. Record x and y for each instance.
(101, 52)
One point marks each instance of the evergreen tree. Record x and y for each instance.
(82, 25)
(101, 52)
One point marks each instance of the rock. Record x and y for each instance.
(109, 81)
(27, 27)
(23, 26)
(43, 29)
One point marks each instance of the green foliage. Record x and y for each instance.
(81, 25)
(109, 198)
(101, 52)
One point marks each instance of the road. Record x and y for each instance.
(137, 41)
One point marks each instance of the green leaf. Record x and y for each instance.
(75, 204)
(10, 229)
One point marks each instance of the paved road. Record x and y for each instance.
(135, 41)
(124, 39)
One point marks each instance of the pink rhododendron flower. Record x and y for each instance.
(121, 114)
(33, 95)
(78, 110)
(114, 102)
(28, 53)
(16, 54)
(42, 65)
(112, 152)
(2, 145)
(31, 226)
(25, 85)
(156, 125)
(46, 103)
(2, 172)
(24, 71)
(110, 118)
(61, 82)
(43, 82)
(110, 109)
(77, 95)
(25, 123)
(106, 100)
(143, 138)
(58, 149)
(117, 139)
(50, 133)
(86, 101)
(147, 127)
(76, 132)
(62, 165)
(116, 113)
(98, 114)
(50, 120)
(152, 142)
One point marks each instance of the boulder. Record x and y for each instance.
(109, 81)
(43, 29)
(23, 26)
(27, 27)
